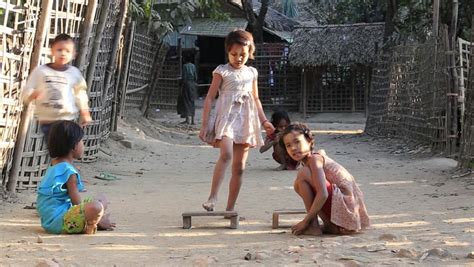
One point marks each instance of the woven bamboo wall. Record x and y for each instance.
(16, 45)
(408, 94)
(336, 88)
(167, 85)
(100, 103)
(279, 84)
(66, 17)
(467, 139)
(140, 70)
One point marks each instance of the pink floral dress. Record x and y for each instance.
(236, 113)
(347, 202)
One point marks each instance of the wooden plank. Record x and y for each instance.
(232, 215)
(211, 213)
(277, 213)
(290, 211)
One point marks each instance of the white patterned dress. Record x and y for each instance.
(236, 113)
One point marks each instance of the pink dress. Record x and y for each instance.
(347, 201)
(236, 115)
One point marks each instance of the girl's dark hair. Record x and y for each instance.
(62, 37)
(298, 127)
(240, 37)
(278, 116)
(63, 138)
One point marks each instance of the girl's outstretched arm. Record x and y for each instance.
(211, 95)
(72, 190)
(268, 144)
(318, 182)
(269, 129)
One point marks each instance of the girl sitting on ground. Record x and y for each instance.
(280, 121)
(58, 202)
(328, 190)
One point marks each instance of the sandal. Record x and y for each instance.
(106, 176)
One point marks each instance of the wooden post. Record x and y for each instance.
(157, 64)
(126, 69)
(368, 79)
(40, 36)
(305, 102)
(353, 71)
(454, 76)
(85, 34)
(113, 57)
(435, 18)
(319, 83)
(96, 47)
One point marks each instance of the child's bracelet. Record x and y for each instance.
(264, 122)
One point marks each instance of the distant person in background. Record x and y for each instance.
(186, 107)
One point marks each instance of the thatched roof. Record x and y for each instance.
(336, 44)
(274, 20)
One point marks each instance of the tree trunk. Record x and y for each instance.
(256, 23)
(258, 35)
(389, 16)
(435, 18)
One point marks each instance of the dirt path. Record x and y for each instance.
(419, 213)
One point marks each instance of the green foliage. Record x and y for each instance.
(413, 20)
(211, 9)
(164, 18)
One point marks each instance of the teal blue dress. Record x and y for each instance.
(53, 200)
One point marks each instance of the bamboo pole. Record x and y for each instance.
(85, 34)
(96, 47)
(126, 69)
(305, 102)
(354, 70)
(156, 66)
(454, 76)
(40, 37)
(118, 79)
(368, 79)
(113, 57)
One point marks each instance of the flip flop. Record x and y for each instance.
(106, 176)
(31, 207)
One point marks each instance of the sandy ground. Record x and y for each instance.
(420, 213)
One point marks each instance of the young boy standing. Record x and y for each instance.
(58, 89)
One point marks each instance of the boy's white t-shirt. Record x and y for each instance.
(62, 93)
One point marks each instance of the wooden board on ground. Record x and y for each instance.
(232, 215)
(277, 213)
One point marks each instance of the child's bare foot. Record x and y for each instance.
(90, 229)
(105, 223)
(313, 230)
(226, 216)
(209, 205)
(336, 230)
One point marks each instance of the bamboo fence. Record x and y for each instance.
(408, 96)
(18, 25)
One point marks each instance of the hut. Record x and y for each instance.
(211, 33)
(204, 37)
(336, 63)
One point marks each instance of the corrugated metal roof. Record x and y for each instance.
(213, 28)
(285, 36)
